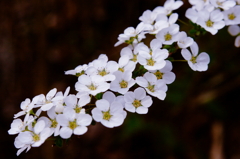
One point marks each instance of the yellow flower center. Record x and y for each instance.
(92, 87)
(158, 74)
(150, 62)
(231, 16)
(80, 73)
(123, 84)
(78, 109)
(134, 59)
(193, 60)
(54, 123)
(136, 103)
(72, 124)
(102, 73)
(121, 69)
(151, 88)
(106, 115)
(168, 37)
(36, 138)
(209, 23)
(219, 3)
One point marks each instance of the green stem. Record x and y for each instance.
(182, 22)
(179, 61)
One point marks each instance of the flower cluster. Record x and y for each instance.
(213, 15)
(107, 89)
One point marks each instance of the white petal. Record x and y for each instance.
(141, 81)
(84, 119)
(194, 49)
(123, 60)
(70, 101)
(51, 113)
(103, 104)
(65, 132)
(80, 130)
(169, 77)
(142, 110)
(39, 126)
(84, 100)
(150, 77)
(203, 58)
(237, 41)
(234, 30)
(140, 93)
(129, 97)
(173, 18)
(109, 96)
(84, 79)
(107, 123)
(129, 107)
(147, 101)
(112, 66)
(62, 120)
(69, 113)
(51, 93)
(186, 54)
(116, 107)
(25, 137)
(47, 106)
(97, 114)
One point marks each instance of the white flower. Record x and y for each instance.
(46, 103)
(58, 100)
(127, 51)
(197, 62)
(224, 4)
(137, 101)
(183, 40)
(91, 84)
(199, 4)
(211, 21)
(168, 35)
(132, 35)
(123, 82)
(108, 111)
(232, 16)
(192, 14)
(162, 21)
(169, 20)
(78, 71)
(36, 136)
(26, 106)
(125, 64)
(73, 102)
(154, 87)
(165, 73)
(21, 146)
(103, 67)
(148, 17)
(153, 57)
(72, 123)
(168, 7)
(18, 125)
(54, 125)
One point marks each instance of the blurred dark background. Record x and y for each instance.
(41, 39)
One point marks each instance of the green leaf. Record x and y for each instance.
(99, 96)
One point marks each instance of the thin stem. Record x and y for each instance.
(182, 22)
(179, 61)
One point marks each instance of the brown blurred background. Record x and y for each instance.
(41, 39)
